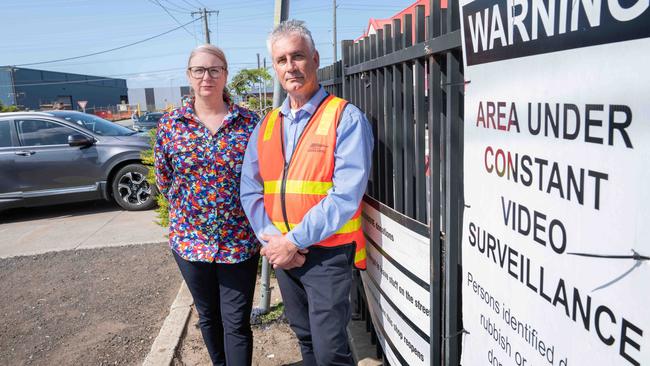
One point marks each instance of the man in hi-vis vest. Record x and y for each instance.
(303, 178)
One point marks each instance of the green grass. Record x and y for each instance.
(273, 315)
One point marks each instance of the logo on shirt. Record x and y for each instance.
(317, 148)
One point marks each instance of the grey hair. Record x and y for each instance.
(287, 28)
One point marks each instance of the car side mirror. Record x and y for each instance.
(80, 140)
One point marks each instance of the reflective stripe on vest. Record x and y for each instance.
(291, 190)
(298, 187)
(349, 227)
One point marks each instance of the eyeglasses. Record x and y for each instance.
(197, 72)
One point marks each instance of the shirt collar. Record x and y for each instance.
(187, 109)
(309, 107)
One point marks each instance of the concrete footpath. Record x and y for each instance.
(94, 224)
(164, 346)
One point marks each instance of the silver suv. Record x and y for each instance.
(65, 156)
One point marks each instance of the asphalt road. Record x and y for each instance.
(95, 224)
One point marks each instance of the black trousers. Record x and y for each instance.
(316, 300)
(223, 296)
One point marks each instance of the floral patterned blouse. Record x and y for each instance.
(199, 174)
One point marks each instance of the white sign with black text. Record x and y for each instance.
(556, 167)
(397, 287)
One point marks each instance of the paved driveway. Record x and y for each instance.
(81, 225)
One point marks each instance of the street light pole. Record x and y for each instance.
(334, 29)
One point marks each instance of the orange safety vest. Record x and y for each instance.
(290, 190)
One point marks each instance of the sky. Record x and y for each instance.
(46, 30)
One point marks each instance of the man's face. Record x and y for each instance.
(295, 64)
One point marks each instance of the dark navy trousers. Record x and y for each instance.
(223, 296)
(316, 300)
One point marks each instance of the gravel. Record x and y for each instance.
(85, 307)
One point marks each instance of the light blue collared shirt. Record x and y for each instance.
(353, 154)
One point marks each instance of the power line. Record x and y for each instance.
(173, 17)
(190, 4)
(201, 4)
(157, 3)
(109, 50)
(184, 10)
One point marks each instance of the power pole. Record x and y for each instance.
(204, 14)
(281, 14)
(259, 85)
(334, 29)
(264, 84)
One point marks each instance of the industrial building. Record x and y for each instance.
(156, 99)
(41, 89)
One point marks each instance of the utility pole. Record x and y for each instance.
(259, 84)
(334, 29)
(264, 84)
(204, 14)
(281, 14)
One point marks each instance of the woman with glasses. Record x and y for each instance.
(198, 157)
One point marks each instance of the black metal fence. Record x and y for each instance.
(410, 86)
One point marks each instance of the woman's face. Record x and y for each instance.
(207, 86)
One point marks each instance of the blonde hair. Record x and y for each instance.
(211, 49)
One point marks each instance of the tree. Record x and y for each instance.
(243, 82)
(263, 108)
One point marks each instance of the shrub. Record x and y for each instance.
(163, 206)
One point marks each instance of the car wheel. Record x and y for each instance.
(131, 190)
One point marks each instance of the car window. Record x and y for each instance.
(33, 132)
(95, 124)
(152, 117)
(5, 134)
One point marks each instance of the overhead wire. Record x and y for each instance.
(109, 50)
(183, 9)
(190, 4)
(200, 3)
(173, 17)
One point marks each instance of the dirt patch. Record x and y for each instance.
(93, 307)
(274, 342)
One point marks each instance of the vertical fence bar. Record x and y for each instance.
(397, 118)
(345, 62)
(367, 107)
(339, 75)
(380, 94)
(352, 82)
(454, 88)
(408, 123)
(435, 114)
(420, 120)
(374, 115)
(388, 118)
(427, 31)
